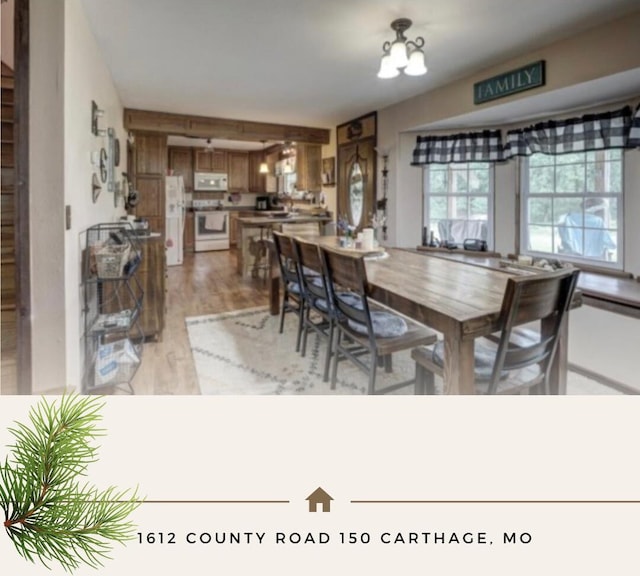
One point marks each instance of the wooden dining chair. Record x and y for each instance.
(513, 361)
(293, 295)
(320, 315)
(365, 327)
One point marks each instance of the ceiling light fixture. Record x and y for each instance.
(264, 167)
(209, 146)
(402, 54)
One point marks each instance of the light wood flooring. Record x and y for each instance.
(206, 283)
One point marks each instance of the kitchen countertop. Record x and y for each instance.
(266, 220)
(231, 209)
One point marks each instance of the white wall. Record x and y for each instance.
(67, 73)
(87, 78)
(46, 190)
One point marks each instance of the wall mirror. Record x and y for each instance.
(356, 192)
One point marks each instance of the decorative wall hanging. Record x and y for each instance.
(96, 188)
(380, 219)
(103, 165)
(95, 114)
(329, 171)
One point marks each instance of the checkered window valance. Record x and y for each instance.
(485, 146)
(589, 132)
(634, 132)
(615, 129)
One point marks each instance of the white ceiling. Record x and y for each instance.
(312, 62)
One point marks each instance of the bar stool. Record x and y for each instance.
(258, 248)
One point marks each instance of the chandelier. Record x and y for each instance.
(402, 54)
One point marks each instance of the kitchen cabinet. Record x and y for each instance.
(257, 181)
(238, 171)
(151, 154)
(181, 162)
(233, 229)
(189, 232)
(309, 167)
(210, 161)
(151, 203)
(150, 158)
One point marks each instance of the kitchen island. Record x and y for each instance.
(254, 230)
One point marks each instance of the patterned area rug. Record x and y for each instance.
(242, 353)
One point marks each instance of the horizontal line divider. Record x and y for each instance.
(495, 501)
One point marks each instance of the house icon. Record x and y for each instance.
(319, 496)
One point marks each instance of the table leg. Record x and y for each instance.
(458, 366)
(273, 281)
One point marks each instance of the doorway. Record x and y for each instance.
(16, 292)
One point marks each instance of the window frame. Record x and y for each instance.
(426, 194)
(525, 195)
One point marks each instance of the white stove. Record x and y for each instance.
(211, 225)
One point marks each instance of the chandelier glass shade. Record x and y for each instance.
(402, 54)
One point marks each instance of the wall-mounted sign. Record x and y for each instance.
(525, 78)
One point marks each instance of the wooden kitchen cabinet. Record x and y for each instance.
(210, 160)
(257, 181)
(309, 167)
(151, 154)
(151, 203)
(233, 229)
(151, 275)
(189, 240)
(148, 169)
(238, 171)
(181, 162)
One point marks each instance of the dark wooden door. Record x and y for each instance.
(364, 154)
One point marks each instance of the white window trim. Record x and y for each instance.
(490, 204)
(524, 218)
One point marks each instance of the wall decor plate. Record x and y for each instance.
(116, 152)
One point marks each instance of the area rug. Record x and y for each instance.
(242, 353)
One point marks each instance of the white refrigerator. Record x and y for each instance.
(175, 217)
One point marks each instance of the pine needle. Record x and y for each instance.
(48, 514)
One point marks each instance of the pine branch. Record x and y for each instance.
(47, 514)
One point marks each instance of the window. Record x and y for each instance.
(458, 202)
(572, 206)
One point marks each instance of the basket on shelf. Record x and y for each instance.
(111, 260)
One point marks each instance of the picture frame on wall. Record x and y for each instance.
(329, 171)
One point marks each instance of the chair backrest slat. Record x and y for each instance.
(348, 273)
(309, 258)
(286, 257)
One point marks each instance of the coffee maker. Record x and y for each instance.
(262, 203)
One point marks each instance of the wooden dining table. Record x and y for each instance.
(458, 299)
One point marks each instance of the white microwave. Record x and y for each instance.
(210, 181)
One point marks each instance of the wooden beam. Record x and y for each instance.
(205, 127)
(22, 227)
